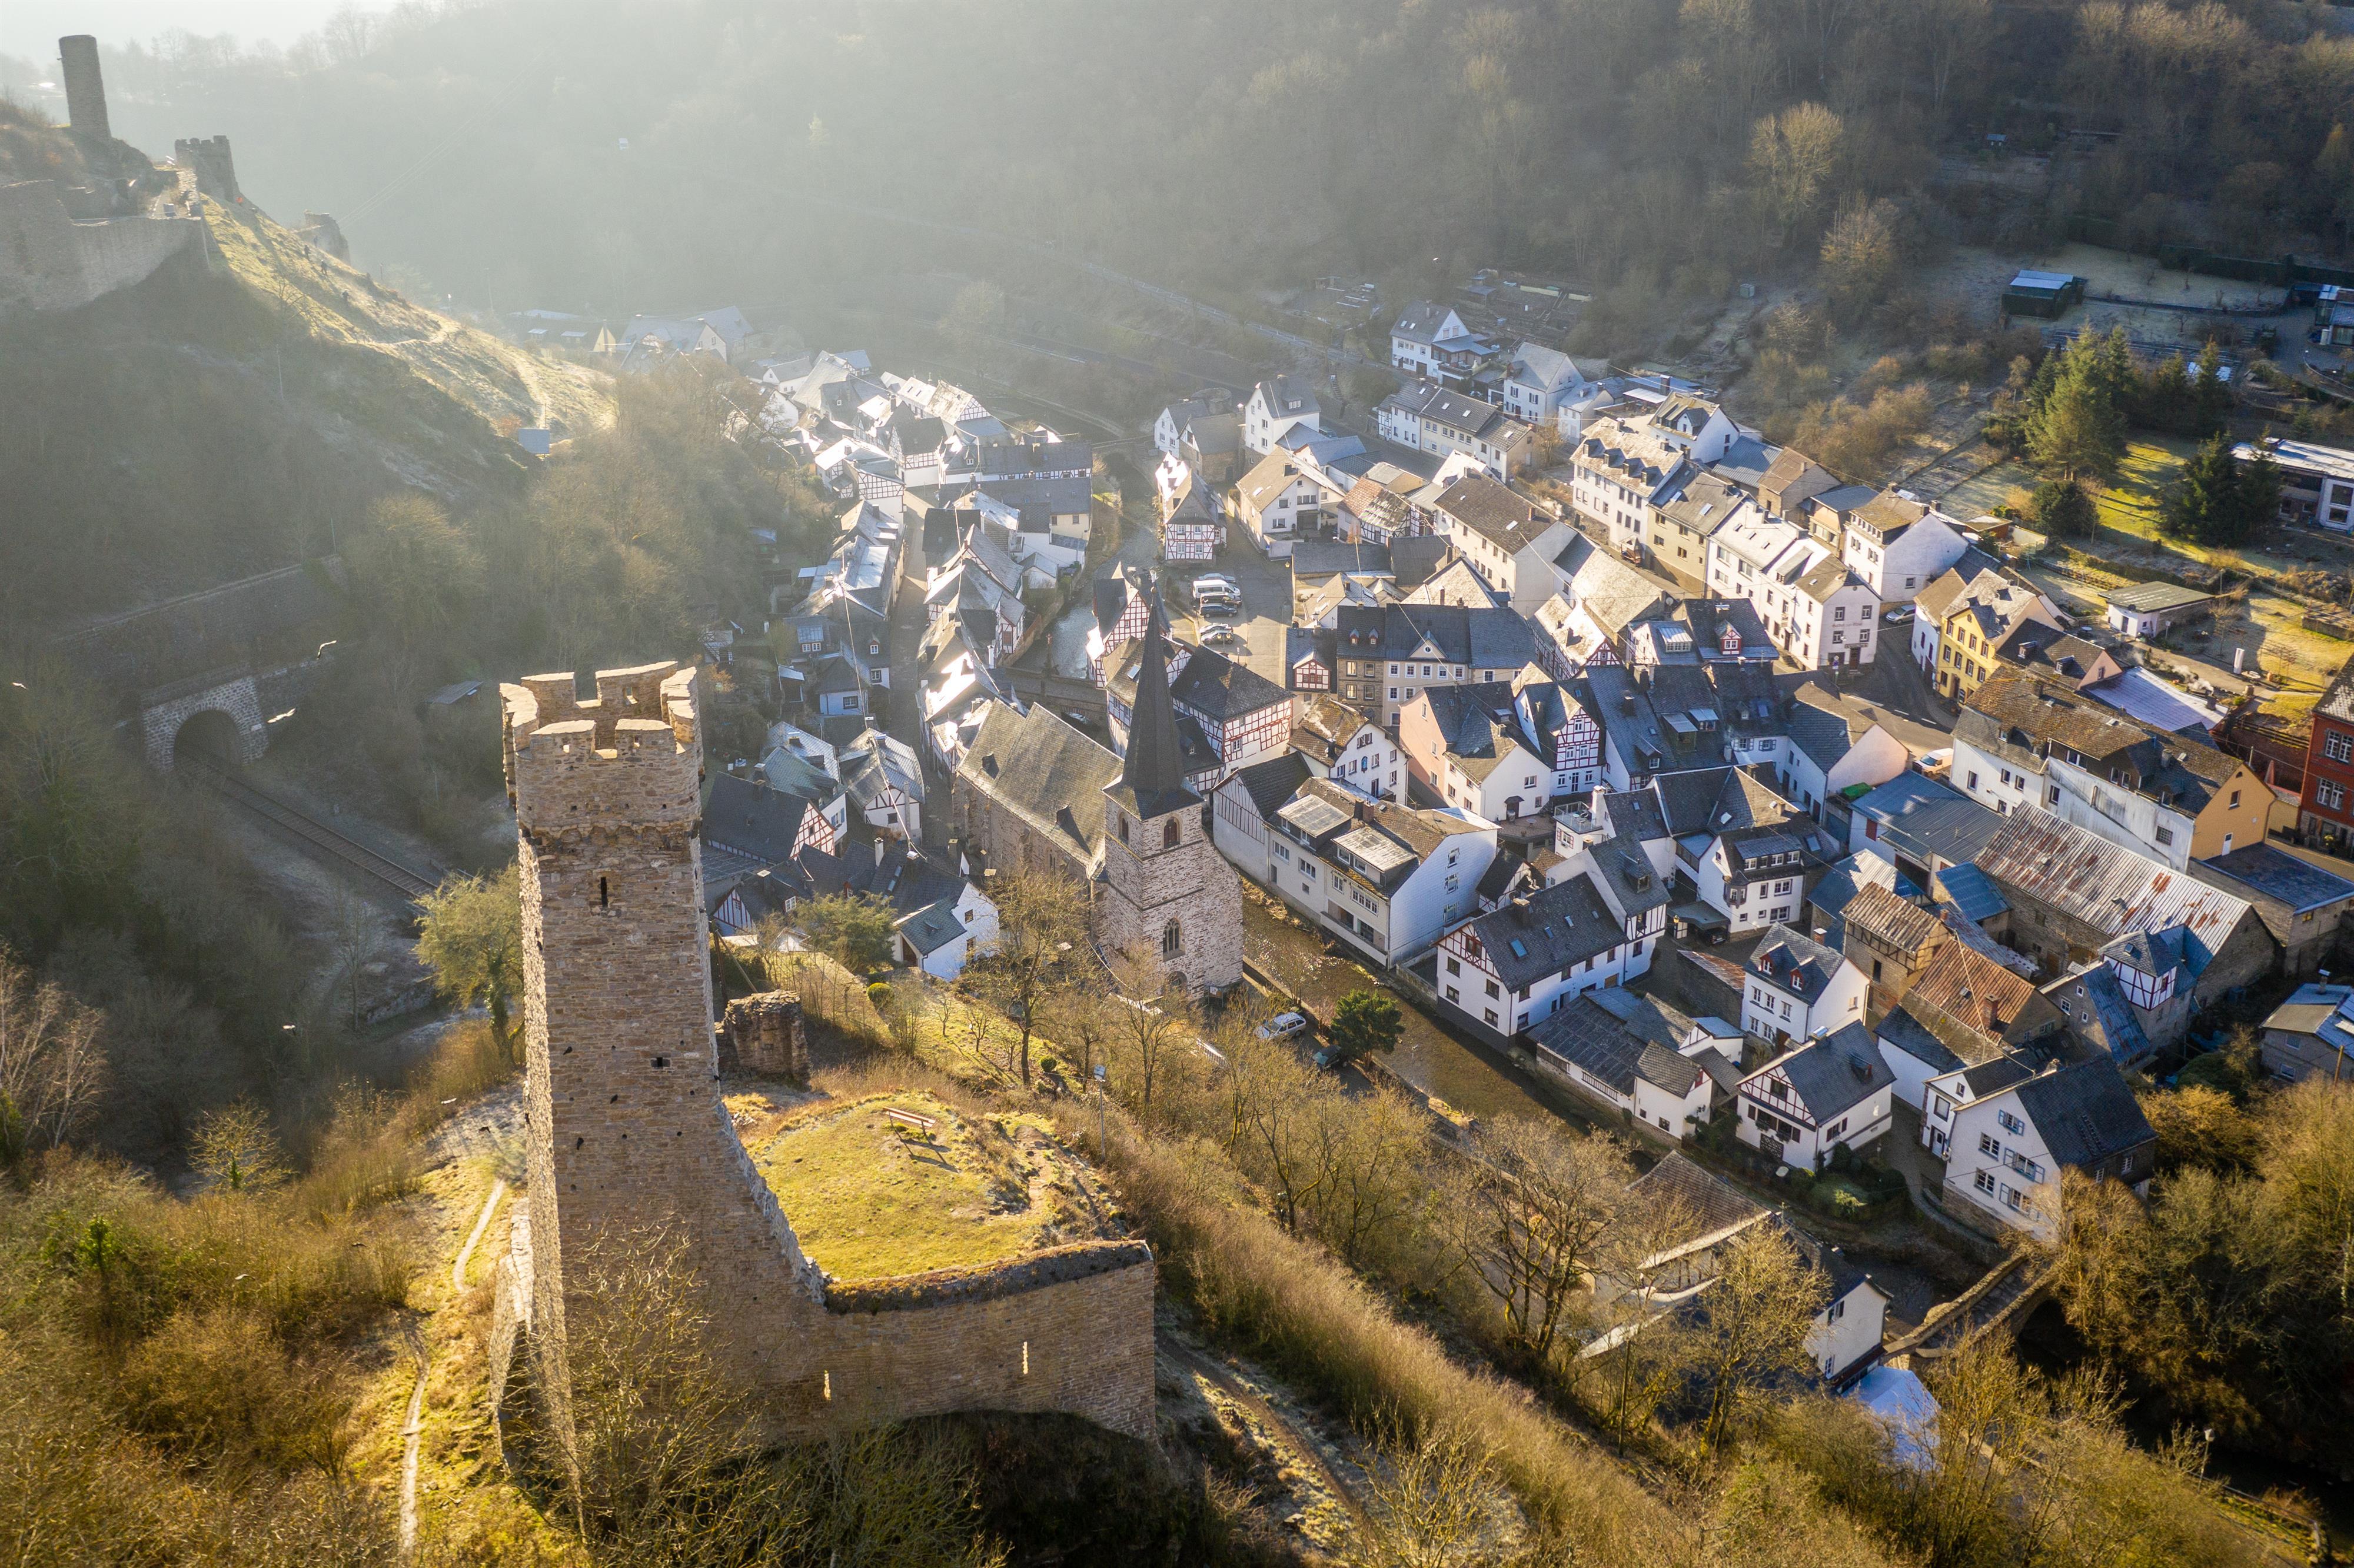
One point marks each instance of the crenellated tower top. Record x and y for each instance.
(630, 757)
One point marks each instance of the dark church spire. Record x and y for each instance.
(1153, 775)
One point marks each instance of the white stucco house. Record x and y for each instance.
(1794, 988)
(1808, 1101)
(2010, 1141)
(1276, 406)
(1897, 545)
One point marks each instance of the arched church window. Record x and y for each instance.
(1169, 833)
(1172, 941)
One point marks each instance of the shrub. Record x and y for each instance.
(217, 1386)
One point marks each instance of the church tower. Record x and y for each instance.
(1168, 892)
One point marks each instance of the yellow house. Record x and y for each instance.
(1974, 618)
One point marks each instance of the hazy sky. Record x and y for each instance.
(31, 28)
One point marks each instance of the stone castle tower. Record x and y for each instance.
(626, 1129)
(1167, 890)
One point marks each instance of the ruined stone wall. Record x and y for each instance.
(628, 1131)
(209, 159)
(48, 263)
(766, 1034)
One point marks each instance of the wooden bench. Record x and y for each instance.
(910, 1118)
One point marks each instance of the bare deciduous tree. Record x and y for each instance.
(1759, 1310)
(52, 1062)
(1531, 1215)
(1042, 922)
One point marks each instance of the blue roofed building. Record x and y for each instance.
(1921, 824)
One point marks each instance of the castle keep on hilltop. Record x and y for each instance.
(626, 1129)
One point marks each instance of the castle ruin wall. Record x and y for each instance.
(628, 1131)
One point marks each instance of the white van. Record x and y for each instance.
(1215, 585)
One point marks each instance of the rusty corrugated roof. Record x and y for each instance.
(2109, 887)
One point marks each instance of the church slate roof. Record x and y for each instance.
(1152, 777)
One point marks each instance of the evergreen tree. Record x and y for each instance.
(2206, 504)
(2080, 428)
(2260, 495)
(2063, 507)
(2211, 395)
(2164, 402)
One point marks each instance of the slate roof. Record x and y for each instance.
(2083, 1112)
(1324, 725)
(1635, 815)
(1547, 932)
(1418, 557)
(1044, 772)
(1330, 557)
(1584, 1034)
(1925, 820)
(2094, 1007)
(1903, 1032)
(1622, 863)
(1795, 963)
(1832, 1075)
(1467, 635)
(1714, 1205)
(2112, 889)
(1475, 723)
(2279, 875)
(1495, 512)
(1221, 688)
(1273, 781)
(752, 818)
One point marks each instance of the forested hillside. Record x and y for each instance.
(1668, 143)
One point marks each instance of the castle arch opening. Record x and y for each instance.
(207, 737)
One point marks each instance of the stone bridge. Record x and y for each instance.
(1997, 1304)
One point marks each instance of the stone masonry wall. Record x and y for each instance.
(627, 1130)
(48, 263)
(765, 1034)
(1147, 886)
(159, 726)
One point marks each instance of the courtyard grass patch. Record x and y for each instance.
(872, 1197)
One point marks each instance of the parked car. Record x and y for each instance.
(1221, 608)
(1898, 614)
(1329, 1058)
(1221, 635)
(1212, 584)
(1283, 1026)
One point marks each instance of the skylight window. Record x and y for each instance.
(1519, 950)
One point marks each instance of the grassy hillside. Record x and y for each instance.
(215, 421)
(340, 304)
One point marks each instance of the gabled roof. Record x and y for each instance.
(1901, 1030)
(1325, 725)
(1586, 1035)
(1467, 635)
(1714, 1203)
(1476, 724)
(1877, 912)
(753, 819)
(2093, 1005)
(2112, 889)
(1832, 1075)
(1978, 995)
(1795, 964)
(1271, 783)
(1044, 772)
(1923, 819)
(1221, 688)
(1545, 933)
(1495, 512)
(2083, 1112)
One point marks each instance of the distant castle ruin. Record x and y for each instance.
(626, 1128)
(63, 246)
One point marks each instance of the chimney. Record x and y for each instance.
(878, 854)
(1521, 910)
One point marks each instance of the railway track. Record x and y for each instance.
(313, 835)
